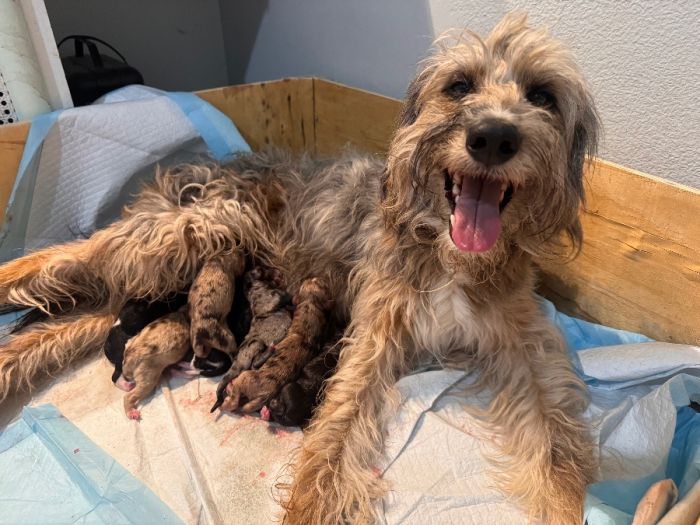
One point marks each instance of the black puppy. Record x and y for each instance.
(295, 403)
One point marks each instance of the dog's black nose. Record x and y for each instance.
(493, 142)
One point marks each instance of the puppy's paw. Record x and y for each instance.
(249, 392)
(263, 356)
(134, 414)
(222, 389)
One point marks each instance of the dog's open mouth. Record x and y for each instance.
(476, 203)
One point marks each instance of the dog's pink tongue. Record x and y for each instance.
(477, 222)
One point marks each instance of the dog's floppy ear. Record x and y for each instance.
(411, 105)
(584, 143)
(409, 112)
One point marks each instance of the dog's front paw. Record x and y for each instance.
(249, 392)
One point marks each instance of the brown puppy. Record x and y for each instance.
(295, 403)
(210, 299)
(251, 390)
(161, 344)
(271, 320)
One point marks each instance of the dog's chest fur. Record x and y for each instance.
(445, 320)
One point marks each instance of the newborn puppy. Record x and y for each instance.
(254, 388)
(133, 317)
(270, 322)
(210, 300)
(162, 343)
(295, 403)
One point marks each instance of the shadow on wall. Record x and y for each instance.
(365, 43)
(240, 22)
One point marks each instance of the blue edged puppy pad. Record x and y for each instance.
(53, 474)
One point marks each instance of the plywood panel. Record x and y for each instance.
(347, 115)
(276, 113)
(640, 264)
(12, 139)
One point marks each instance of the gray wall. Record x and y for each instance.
(640, 56)
(175, 44)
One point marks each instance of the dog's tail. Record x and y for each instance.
(45, 348)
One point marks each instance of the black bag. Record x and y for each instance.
(89, 77)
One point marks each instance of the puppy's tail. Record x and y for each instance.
(45, 348)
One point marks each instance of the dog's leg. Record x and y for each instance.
(335, 477)
(45, 348)
(546, 456)
(51, 276)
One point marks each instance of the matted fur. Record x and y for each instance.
(46, 348)
(378, 234)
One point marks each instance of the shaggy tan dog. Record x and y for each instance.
(426, 254)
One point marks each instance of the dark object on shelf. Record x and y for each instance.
(91, 76)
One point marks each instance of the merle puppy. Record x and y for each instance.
(134, 317)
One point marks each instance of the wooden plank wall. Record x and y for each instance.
(347, 115)
(12, 139)
(640, 265)
(279, 112)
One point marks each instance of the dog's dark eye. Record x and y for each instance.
(459, 88)
(540, 97)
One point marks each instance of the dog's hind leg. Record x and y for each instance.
(47, 347)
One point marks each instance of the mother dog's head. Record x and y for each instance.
(492, 142)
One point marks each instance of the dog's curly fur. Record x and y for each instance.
(379, 235)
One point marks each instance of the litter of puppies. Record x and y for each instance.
(274, 351)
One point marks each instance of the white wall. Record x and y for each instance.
(641, 57)
(175, 44)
